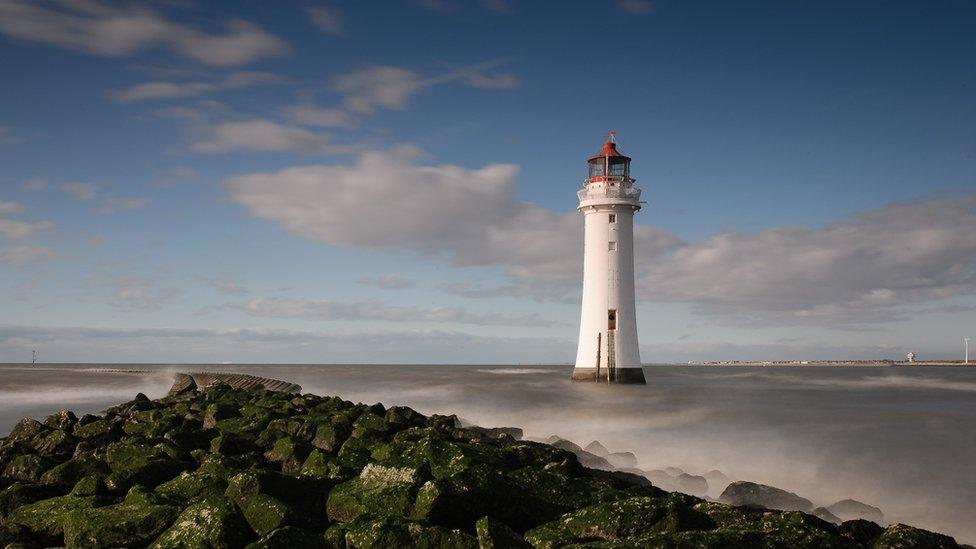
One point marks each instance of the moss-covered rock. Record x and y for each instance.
(266, 513)
(192, 487)
(26, 429)
(901, 536)
(619, 520)
(378, 490)
(213, 522)
(397, 532)
(290, 537)
(760, 495)
(45, 520)
(73, 470)
(140, 464)
(126, 524)
(20, 494)
(494, 534)
(289, 453)
(27, 467)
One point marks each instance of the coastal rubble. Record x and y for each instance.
(212, 465)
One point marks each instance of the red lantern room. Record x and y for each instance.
(609, 163)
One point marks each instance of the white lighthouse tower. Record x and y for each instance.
(607, 349)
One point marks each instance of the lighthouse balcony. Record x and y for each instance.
(608, 195)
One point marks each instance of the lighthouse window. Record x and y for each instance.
(613, 218)
(596, 168)
(613, 246)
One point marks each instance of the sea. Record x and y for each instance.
(900, 438)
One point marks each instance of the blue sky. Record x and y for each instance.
(395, 182)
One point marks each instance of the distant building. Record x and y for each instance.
(910, 357)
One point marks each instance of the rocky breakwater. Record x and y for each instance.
(230, 467)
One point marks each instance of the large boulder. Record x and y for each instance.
(691, 484)
(597, 449)
(378, 490)
(621, 520)
(27, 467)
(850, 509)
(136, 521)
(901, 536)
(494, 534)
(622, 460)
(759, 495)
(397, 532)
(45, 520)
(213, 522)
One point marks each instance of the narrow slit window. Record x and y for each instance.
(613, 246)
(613, 218)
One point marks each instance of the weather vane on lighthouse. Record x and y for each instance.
(607, 350)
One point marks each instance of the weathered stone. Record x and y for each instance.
(618, 520)
(91, 485)
(621, 459)
(213, 522)
(315, 466)
(691, 484)
(266, 513)
(860, 532)
(597, 449)
(760, 495)
(125, 524)
(824, 514)
(20, 494)
(192, 487)
(849, 509)
(218, 411)
(27, 467)
(288, 452)
(45, 519)
(63, 420)
(330, 437)
(140, 464)
(378, 491)
(26, 429)
(401, 417)
(494, 534)
(73, 470)
(901, 536)
(290, 537)
(397, 532)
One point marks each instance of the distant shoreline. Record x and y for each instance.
(830, 363)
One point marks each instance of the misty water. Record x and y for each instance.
(900, 438)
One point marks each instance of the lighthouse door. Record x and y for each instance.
(612, 319)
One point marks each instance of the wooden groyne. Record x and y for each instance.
(188, 381)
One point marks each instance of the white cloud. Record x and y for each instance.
(471, 216)
(81, 191)
(140, 292)
(109, 30)
(388, 281)
(637, 7)
(260, 135)
(113, 204)
(373, 310)
(173, 90)
(862, 270)
(310, 115)
(35, 184)
(475, 78)
(7, 208)
(19, 230)
(327, 19)
(25, 255)
(380, 86)
(225, 284)
(7, 136)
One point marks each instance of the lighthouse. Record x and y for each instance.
(607, 351)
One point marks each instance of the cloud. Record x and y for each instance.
(19, 230)
(470, 216)
(8, 137)
(388, 281)
(637, 7)
(326, 19)
(103, 29)
(310, 115)
(380, 86)
(8, 208)
(225, 284)
(173, 90)
(862, 270)
(373, 310)
(388, 87)
(75, 343)
(81, 191)
(113, 204)
(35, 184)
(25, 255)
(497, 6)
(260, 135)
(140, 292)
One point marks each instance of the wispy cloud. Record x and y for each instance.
(637, 7)
(260, 135)
(373, 310)
(161, 89)
(79, 190)
(35, 184)
(140, 292)
(388, 281)
(327, 19)
(9, 208)
(19, 230)
(225, 284)
(110, 30)
(25, 255)
(113, 204)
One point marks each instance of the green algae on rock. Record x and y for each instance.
(223, 467)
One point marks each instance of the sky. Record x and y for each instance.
(394, 182)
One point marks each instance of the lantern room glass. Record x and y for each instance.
(619, 167)
(597, 167)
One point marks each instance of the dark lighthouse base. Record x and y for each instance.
(617, 375)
